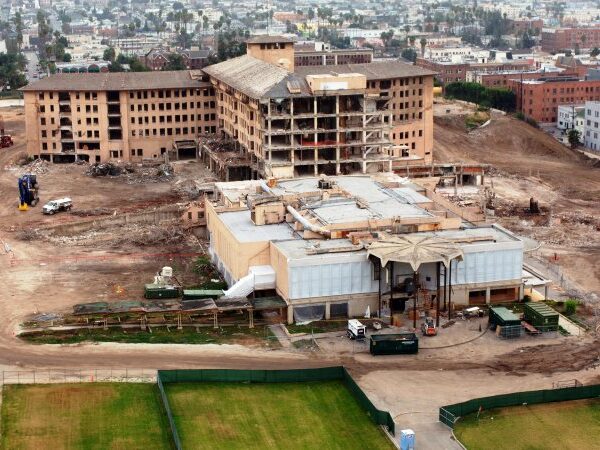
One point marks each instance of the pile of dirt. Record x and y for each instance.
(93, 212)
(566, 357)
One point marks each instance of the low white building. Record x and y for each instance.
(592, 126)
(566, 118)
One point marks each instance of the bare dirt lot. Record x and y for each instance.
(526, 163)
(51, 274)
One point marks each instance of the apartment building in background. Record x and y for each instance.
(539, 99)
(292, 121)
(128, 116)
(591, 136)
(561, 39)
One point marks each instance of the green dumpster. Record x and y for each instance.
(161, 291)
(394, 344)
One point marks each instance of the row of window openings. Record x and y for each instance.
(401, 117)
(170, 106)
(176, 118)
(171, 131)
(406, 105)
(89, 133)
(87, 95)
(88, 121)
(168, 94)
(406, 93)
(88, 108)
(405, 134)
(142, 94)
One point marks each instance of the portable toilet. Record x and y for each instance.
(407, 439)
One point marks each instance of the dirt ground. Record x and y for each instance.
(526, 163)
(41, 275)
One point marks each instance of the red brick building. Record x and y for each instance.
(500, 79)
(519, 26)
(560, 39)
(449, 72)
(539, 99)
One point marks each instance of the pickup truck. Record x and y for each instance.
(54, 206)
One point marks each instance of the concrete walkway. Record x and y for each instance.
(281, 335)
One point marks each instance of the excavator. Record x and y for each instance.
(28, 191)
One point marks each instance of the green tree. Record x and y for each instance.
(109, 54)
(11, 75)
(574, 136)
(410, 54)
(175, 62)
(595, 52)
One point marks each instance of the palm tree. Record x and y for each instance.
(423, 43)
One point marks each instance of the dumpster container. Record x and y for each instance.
(541, 316)
(160, 291)
(394, 344)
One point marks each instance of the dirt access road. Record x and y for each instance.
(530, 163)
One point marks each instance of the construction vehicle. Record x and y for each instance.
(28, 191)
(428, 327)
(6, 141)
(54, 206)
(356, 330)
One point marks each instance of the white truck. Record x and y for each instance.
(356, 330)
(54, 206)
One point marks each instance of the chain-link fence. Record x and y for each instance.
(449, 414)
(49, 376)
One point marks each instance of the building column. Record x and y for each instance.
(327, 310)
(290, 314)
(488, 296)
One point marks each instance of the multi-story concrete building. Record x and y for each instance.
(539, 99)
(129, 116)
(592, 125)
(312, 120)
(280, 121)
(560, 39)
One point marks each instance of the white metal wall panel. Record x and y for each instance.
(331, 279)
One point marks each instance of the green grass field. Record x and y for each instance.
(310, 415)
(564, 426)
(83, 416)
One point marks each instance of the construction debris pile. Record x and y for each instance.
(37, 167)
(130, 235)
(93, 212)
(131, 173)
(109, 169)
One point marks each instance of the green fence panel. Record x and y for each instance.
(378, 416)
(515, 399)
(165, 402)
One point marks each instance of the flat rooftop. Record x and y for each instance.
(244, 230)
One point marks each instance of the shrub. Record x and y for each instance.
(503, 99)
(526, 298)
(570, 307)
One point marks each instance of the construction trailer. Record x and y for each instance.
(541, 316)
(506, 323)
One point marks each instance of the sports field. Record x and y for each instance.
(288, 416)
(83, 416)
(564, 426)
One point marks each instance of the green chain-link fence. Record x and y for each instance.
(378, 416)
(451, 413)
